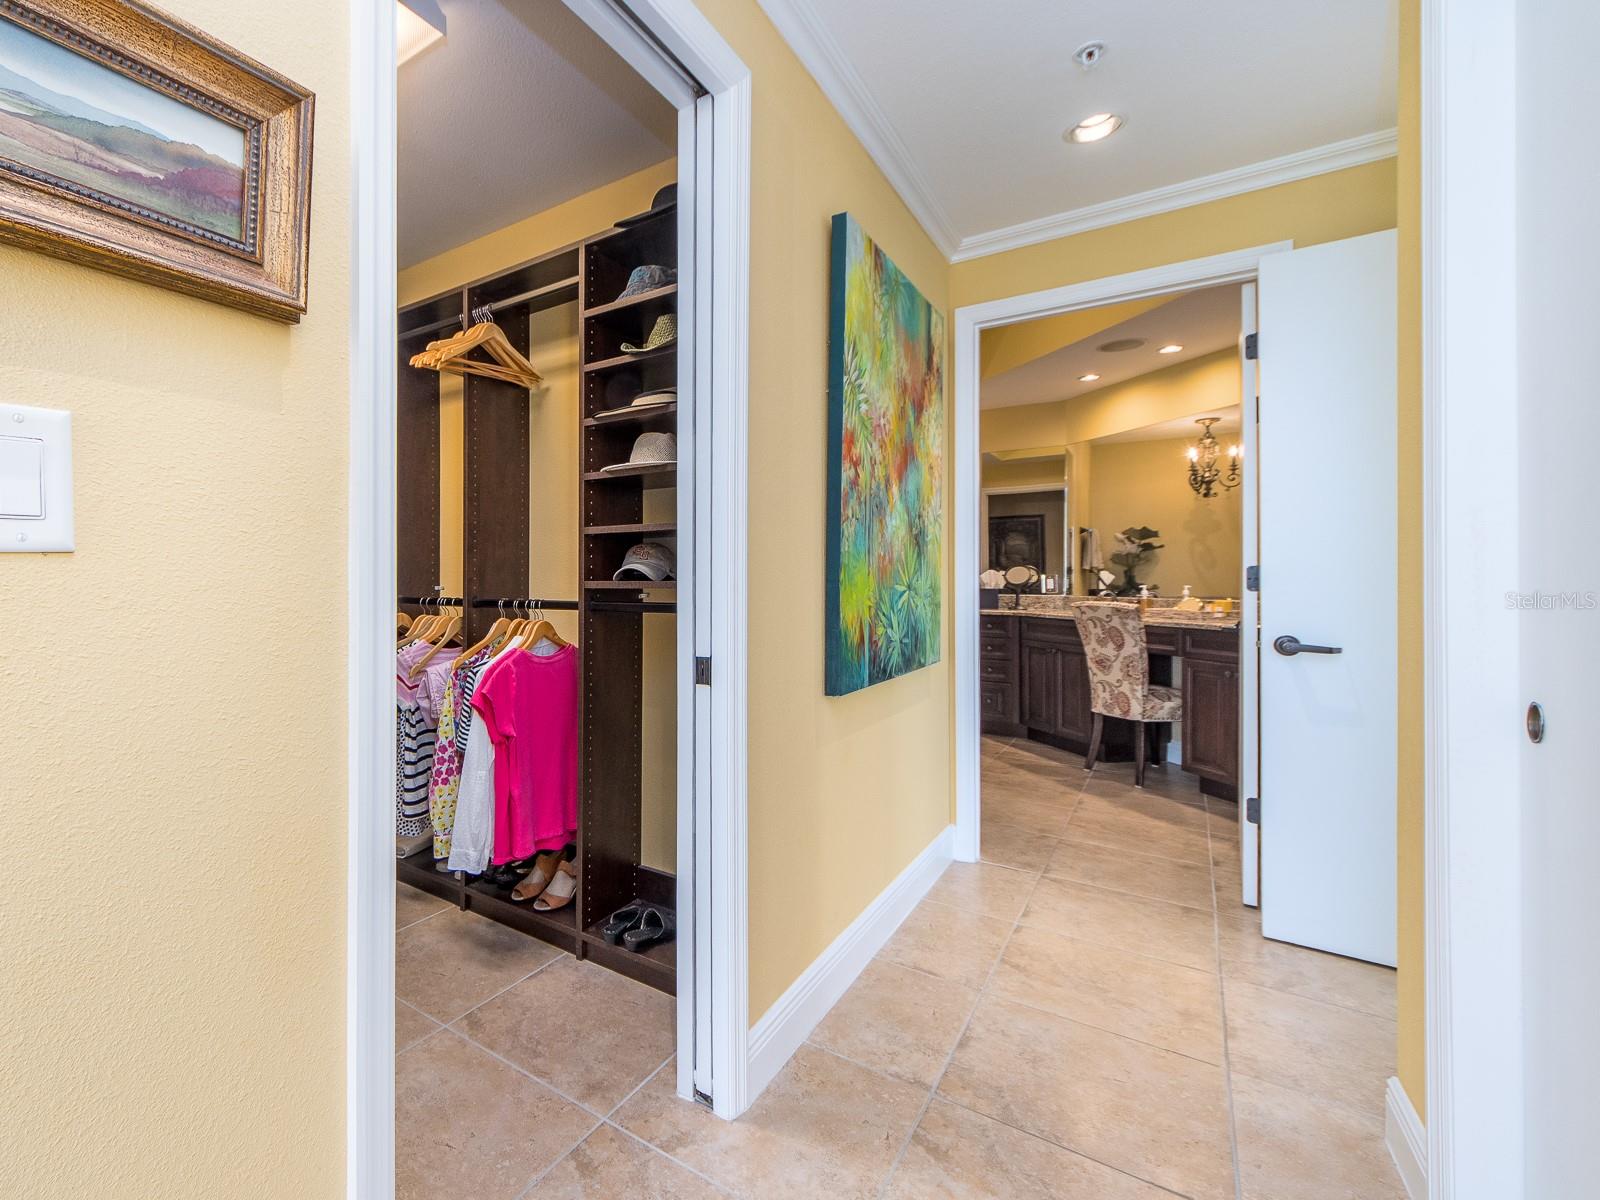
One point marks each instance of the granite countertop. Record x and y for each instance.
(1160, 616)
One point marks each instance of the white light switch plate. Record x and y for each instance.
(35, 480)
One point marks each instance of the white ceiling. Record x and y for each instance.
(519, 108)
(1202, 322)
(963, 104)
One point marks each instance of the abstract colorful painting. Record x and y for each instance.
(885, 469)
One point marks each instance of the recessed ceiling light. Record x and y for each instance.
(418, 25)
(1170, 348)
(1120, 344)
(1089, 378)
(1094, 129)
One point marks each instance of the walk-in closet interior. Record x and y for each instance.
(536, 614)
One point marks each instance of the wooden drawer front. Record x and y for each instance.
(1051, 630)
(1215, 645)
(1161, 640)
(997, 670)
(997, 702)
(1211, 720)
(988, 625)
(992, 646)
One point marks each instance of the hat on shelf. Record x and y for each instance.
(647, 279)
(647, 560)
(650, 449)
(662, 333)
(666, 198)
(654, 398)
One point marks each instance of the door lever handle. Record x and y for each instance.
(1289, 645)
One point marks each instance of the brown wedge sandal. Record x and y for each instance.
(561, 890)
(533, 884)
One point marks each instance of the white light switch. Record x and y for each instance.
(21, 477)
(35, 479)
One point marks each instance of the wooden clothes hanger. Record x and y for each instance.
(497, 632)
(540, 630)
(443, 634)
(449, 355)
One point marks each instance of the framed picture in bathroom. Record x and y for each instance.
(134, 143)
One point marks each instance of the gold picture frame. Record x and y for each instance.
(135, 143)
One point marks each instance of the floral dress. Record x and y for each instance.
(446, 781)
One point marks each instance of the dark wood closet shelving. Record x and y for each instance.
(628, 360)
(496, 539)
(663, 298)
(650, 475)
(639, 416)
(635, 529)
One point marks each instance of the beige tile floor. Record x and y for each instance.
(1088, 1014)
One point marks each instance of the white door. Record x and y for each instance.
(1327, 481)
(1555, 426)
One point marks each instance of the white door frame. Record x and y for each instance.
(639, 34)
(1471, 672)
(1238, 266)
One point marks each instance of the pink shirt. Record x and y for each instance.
(529, 705)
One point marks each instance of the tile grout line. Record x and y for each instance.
(626, 1132)
(955, 1044)
(1222, 1006)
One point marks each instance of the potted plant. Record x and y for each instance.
(1135, 546)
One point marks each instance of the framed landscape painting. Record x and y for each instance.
(885, 520)
(132, 142)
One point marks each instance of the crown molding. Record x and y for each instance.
(1335, 156)
(817, 51)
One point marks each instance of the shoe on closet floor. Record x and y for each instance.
(533, 884)
(561, 890)
(656, 924)
(624, 919)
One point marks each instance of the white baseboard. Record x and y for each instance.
(1407, 1140)
(784, 1027)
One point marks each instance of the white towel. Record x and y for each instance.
(1089, 553)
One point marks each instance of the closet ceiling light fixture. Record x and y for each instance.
(1205, 472)
(1094, 129)
(418, 24)
(1170, 348)
(1089, 378)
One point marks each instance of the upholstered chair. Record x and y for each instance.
(1119, 677)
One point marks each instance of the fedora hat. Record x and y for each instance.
(666, 198)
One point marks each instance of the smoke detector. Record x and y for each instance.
(1089, 54)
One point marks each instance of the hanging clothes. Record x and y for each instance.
(416, 737)
(445, 785)
(529, 706)
(472, 834)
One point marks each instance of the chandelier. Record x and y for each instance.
(1205, 473)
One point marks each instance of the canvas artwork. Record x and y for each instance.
(885, 469)
(76, 121)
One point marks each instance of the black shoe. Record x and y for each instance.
(621, 921)
(656, 925)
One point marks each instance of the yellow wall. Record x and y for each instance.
(1147, 483)
(1039, 472)
(843, 792)
(1197, 386)
(553, 464)
(1323, 208)
(173, 1003)
(1408, 576)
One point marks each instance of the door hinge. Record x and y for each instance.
(1252, 810)
(1252, 347)
(1252, 579)
(702, 671)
